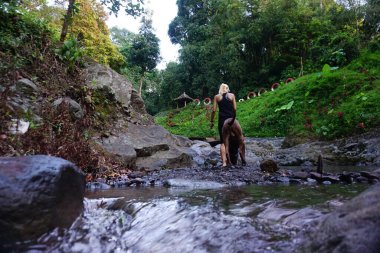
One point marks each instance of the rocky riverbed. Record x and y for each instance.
(350, 160)
(235, 176)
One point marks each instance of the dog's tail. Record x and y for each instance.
(233, 120)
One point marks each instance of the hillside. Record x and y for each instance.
(326, 105)
(54, 101)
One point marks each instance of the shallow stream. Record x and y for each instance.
(266, 218)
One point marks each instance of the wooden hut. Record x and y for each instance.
(183, 100)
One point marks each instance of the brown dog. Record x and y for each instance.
(233, 139)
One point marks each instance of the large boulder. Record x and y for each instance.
(268, 166)
(148, 147)
(135, 140)
(37, 194)
(353, 227)
(102, 77)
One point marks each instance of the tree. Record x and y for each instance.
(144, 51)
(173, 84)
(132, 7)
(372, 18)
(251, 43)
(122, 37)
(90, 24)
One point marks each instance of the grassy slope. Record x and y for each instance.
(327, 105)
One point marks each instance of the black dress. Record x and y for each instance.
(226, 111)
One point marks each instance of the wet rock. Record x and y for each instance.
(333, 204)
(291, 141)
(291, 161)
(268, 166)
(284, 180)
(137, 181)
(151, 146)
(136, 174)
(122, 150)
(346, 178)
(193, 184)
(200, 161)
(121, 204)
(316, 176)
(37, 194)
(295, 181)
(362, 179)
(173, 158)
(204, 153)
(352, 227)
(369, 175)
(150, 150)
(355, 174)
(27, 87)
(74, 106)
(311, 181)
(330, 178)
(356, 150)
(324, 178)
(301, 175)
(97, 185)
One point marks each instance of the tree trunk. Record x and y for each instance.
(140, 85)
(67, 20)
(301, 70)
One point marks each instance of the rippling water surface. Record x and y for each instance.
(158, 219)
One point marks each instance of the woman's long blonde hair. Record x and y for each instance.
(223, 88)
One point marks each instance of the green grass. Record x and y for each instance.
(325, 105)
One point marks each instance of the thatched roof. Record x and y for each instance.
(185, 97)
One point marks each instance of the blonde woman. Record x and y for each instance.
(227, 109)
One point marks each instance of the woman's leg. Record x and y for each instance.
(222, 147)
(223, 154)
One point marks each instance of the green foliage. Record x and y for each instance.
(122, 37)
(90, 25)
(71, 52)
(192, 121)
(133, 8)
(250, 44)
(372, 18)
(19, 31)
(374, 44)
(326, 105)
(286, 107)
(144, 50)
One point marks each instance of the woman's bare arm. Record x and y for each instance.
(234, 104)
(213, 112)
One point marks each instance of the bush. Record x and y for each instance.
(71, 52)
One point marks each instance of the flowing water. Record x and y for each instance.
(185, 219)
